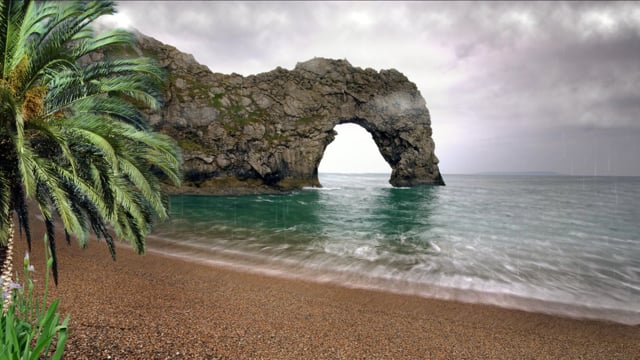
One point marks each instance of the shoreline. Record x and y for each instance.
(156, 306)
(239, 262)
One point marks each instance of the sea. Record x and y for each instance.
(562, 245)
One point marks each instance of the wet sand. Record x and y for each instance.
(159, 307)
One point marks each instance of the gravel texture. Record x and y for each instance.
(157, 307)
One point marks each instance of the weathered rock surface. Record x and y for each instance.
(268, 132)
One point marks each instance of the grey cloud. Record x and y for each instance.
(560, 73)
(217, 32)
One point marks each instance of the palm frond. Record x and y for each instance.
(5, 209)
(12, 19)
(49, 38)
(55, 138)
(115, 108)
(140, 179)
(110, 38)
(47, 176)
(123, 67)
(51, 238)
(137, 87)
(19, 204)
(98, 139)
(73, 135)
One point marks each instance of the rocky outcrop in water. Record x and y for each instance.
(268, 132)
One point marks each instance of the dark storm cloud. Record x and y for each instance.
(489, 71)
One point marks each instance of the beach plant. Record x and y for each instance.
(74, 141)
(29, 328)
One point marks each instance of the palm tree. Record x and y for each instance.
(73, 138)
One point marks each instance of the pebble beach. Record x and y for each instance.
(159, 307)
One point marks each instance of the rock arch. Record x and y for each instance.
(404, 150)
(268, 132)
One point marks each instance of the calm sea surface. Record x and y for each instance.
(561, 245)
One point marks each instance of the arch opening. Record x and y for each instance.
(353, 151)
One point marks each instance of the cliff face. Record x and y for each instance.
(268, 132)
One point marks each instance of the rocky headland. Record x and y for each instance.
(267, 132)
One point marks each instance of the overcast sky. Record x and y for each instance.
(510, 86)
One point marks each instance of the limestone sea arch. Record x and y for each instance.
(268, 132)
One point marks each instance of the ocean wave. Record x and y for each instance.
(512, 242)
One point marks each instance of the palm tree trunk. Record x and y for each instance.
(6, 263)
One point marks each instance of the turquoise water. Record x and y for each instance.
(561, 245)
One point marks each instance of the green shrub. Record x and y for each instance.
(29, 329)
